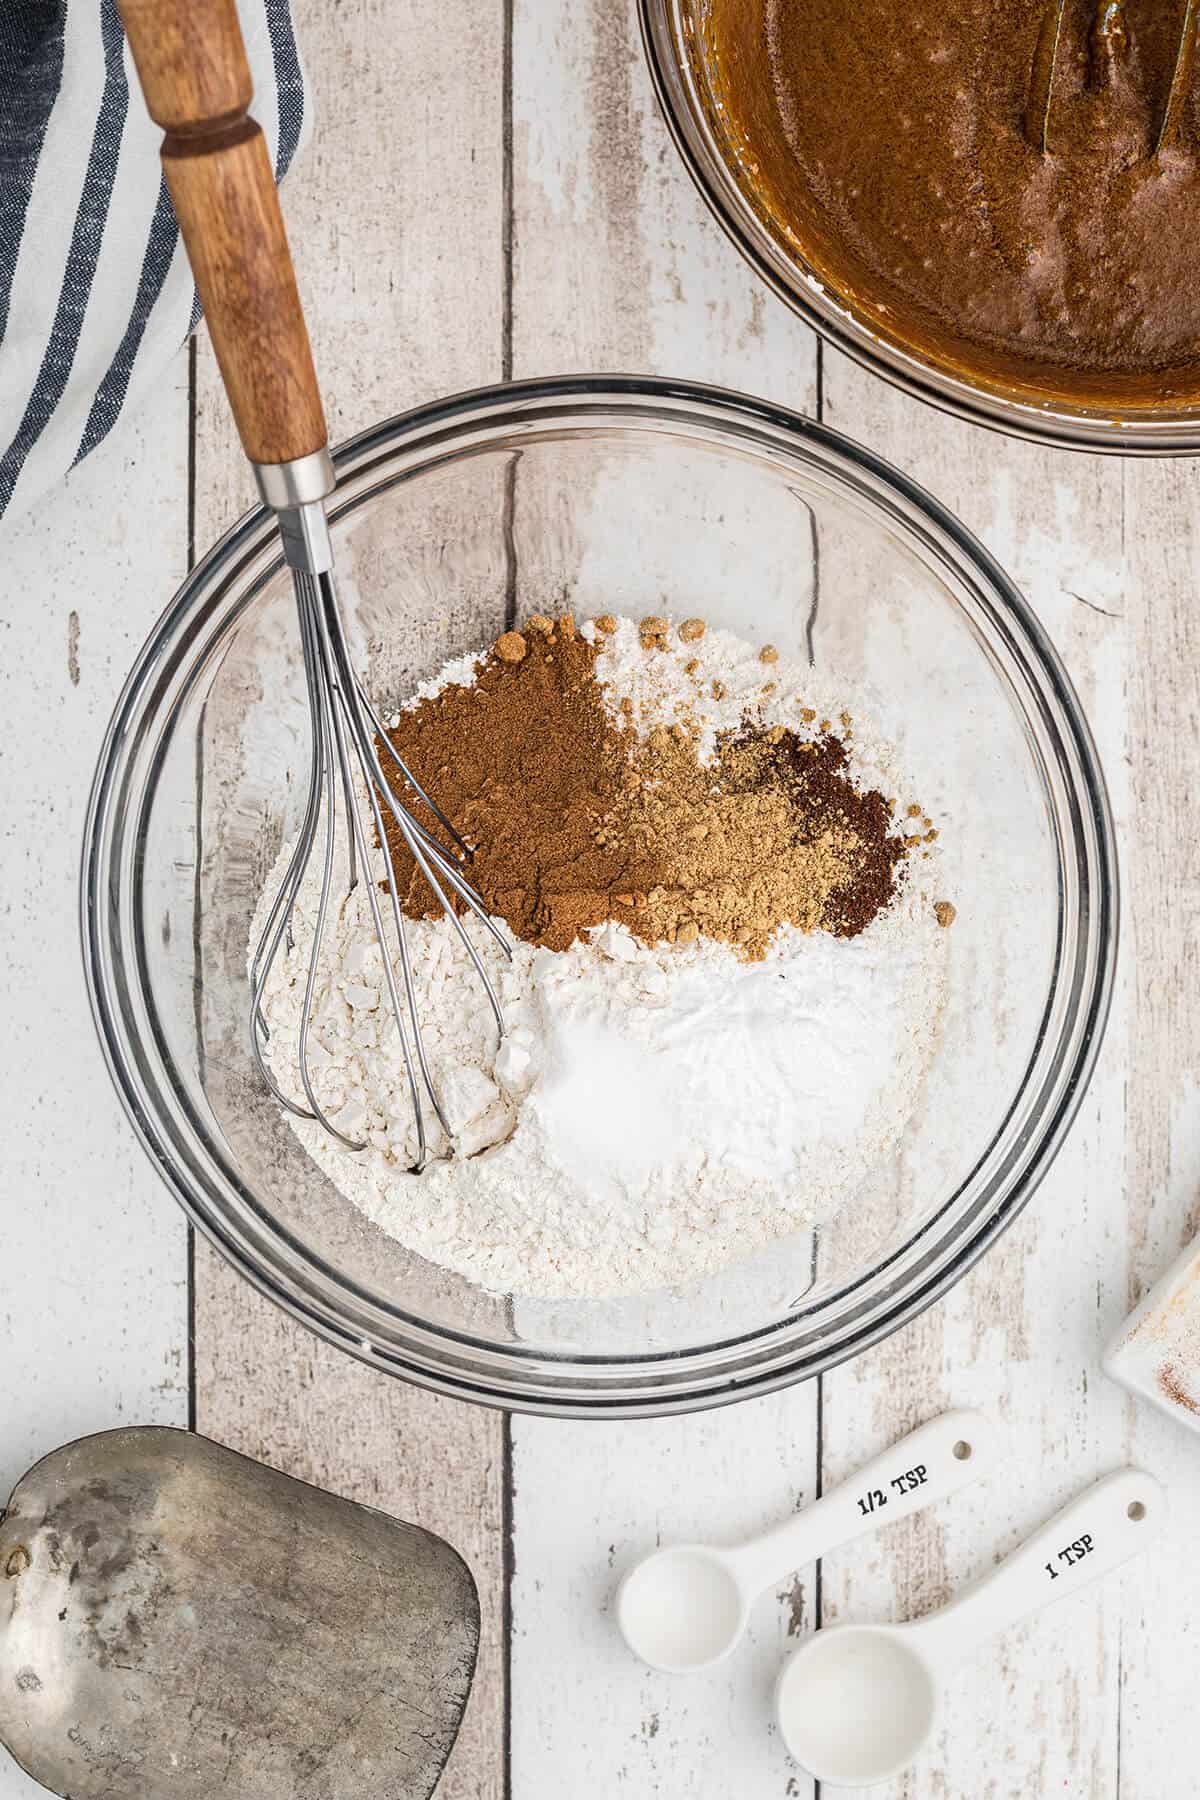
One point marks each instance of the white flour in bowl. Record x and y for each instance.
(654, 1112)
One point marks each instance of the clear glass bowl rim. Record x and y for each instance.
(312, 1292)
(1130, 434)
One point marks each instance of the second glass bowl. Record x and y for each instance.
(676, 36)
(606, 495)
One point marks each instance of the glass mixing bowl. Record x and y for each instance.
(723, 167)
(604, 494)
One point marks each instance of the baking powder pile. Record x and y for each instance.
(656, 1109)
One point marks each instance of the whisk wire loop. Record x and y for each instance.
(1109, 38)
(345, 730)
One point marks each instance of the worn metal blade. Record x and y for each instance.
(177, 1622)
(1181, 77)
(1041, 80)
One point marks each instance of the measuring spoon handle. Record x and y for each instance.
(934, 1460)
(1102, 1528)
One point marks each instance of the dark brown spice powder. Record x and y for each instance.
(575, 821)
(823, 799)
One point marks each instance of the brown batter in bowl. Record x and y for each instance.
(892, 154)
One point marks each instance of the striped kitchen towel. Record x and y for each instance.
(96, 296)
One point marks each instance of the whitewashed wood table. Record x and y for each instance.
(490, 192)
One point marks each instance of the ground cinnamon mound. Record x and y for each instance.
(575, 821)
(528, 766)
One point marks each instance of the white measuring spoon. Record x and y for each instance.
(857, 1702)
(685, 1607)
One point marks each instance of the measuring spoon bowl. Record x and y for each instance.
(857, 1703)
(682, 1608)
(685, 1607)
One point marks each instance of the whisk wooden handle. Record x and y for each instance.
(191, 62)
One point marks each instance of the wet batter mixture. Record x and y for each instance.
(1024, 207)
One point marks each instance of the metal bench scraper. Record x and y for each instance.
(177, 1621)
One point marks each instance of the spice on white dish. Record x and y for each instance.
(1156, 1353)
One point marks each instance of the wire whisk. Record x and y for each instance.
(191, 62)
(1109, 44)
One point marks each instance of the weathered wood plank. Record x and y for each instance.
(589, 1500)
(616, 262)
(617, 266)
(1159, 1650)
(93, 1298)
(270, 1389)
(395, 217)
(1038, 1713)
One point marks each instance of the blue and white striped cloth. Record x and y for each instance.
(95, 292)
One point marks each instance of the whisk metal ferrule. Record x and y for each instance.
(295, 483)
(296, 491)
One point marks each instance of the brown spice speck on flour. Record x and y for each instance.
(510, 648)
(574, 821)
